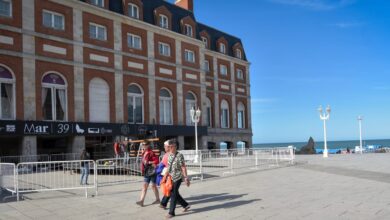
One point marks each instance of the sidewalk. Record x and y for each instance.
(341, 187)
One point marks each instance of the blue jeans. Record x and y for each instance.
(148, 179)
(84, 174)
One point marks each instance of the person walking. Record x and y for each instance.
(178, 173)
(84, 168)
(148, 168)
(116, 150)
(164, 164)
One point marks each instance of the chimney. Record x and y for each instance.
(186, 4)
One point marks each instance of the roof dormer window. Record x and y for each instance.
(99, 3)
(133, 11)
(163, 21)
(238, 54)
(222, 48)
(205, 41)
(188, 30)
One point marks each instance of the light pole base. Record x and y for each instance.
(325, 154)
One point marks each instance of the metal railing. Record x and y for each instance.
(66, 175)
(8, 177)
(54, 176)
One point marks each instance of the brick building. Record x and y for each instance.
(81, 73)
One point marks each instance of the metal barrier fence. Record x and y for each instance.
(8, 177)
(39, 158)
(66, 175)
(116, 171)
(54, 176)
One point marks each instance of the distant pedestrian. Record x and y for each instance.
(178, 173)
(116, 149)
(163, 166)
(84, 168)
(148, 168)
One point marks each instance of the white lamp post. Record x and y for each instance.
(360, 118)
(324, 116)
(195, 116)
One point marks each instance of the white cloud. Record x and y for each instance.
(316, 4)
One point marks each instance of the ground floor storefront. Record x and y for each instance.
(26, 138)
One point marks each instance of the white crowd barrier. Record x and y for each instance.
(54, 176)
(8, 177)
(66, 175)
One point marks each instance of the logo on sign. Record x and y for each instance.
(10, 128)
(36, 129)
(93, 130)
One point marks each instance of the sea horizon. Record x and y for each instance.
(331, 144)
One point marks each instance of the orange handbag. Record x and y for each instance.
(166, 185)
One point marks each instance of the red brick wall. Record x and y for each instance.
(136, 31)
(87, 18)
(39, 42)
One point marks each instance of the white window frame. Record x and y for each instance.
(54, 88)
(209, 113)
(161, 20)
(9, 81)
(188, 30)
(97, 31)
(132, 45)
(52, 23)
(206, 66)
(189, 104)
(188, 54)
(164, 49)
(10, 9)
(134, 96)
(240, 74)
(205, 41)
(238, 54)
(96, 2)
(222, 48)
(223, 107)
(223, 67)
(130, 10)
(164, 100)
(241, 109)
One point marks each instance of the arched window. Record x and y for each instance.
(135, 103)
(133, 11)
(209, 113)
(190, 103)
(224, 114)
(165, 107)
(54, 98)
(240, 115)
(99, 101)
(7, 92)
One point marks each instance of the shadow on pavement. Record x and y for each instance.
(214, 198)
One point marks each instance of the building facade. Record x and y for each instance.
(77, 74)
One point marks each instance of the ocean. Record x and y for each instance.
(331, 144)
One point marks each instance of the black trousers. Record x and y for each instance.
(165, 200)
(176, 198)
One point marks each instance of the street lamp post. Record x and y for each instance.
(360, 118)
(324, 116)
(195, 116)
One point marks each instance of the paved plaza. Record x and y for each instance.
(340, 187)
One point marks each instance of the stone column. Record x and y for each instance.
(118, 73)
(29, 143)
(180, 139)
(152, 81)
(233, 90)
(179, 85)
(203, 94)
(216, 94)
(77, 143)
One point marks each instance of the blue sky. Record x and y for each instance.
(305, 53)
